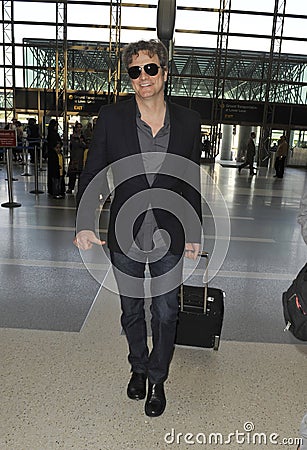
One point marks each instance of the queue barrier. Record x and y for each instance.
(9, 166)
(36, 190)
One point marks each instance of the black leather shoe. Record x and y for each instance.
(156, 401)
(136, 389)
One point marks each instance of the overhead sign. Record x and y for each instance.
(8, 138)
(86, 102)
(238, 112)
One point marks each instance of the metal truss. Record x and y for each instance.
(272, 79)
(193, 72)
(87, 65)
(114, 50)
(218, 74)
(61, 67)
(244, 78)
(219, 81)
(8, 60)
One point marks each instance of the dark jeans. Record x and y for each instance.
(58, 186)
(164, 314)
(250, 164)
(72, 178)
(280, 166)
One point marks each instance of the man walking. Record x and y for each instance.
(250, 154)
(152, 131)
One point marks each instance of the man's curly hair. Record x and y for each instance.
(153, 47)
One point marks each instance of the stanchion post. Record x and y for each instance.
(4, 157)
(41, 146)
(9, 168)
(2, 152)
(26, 173)
(36, 190)
(24, 146)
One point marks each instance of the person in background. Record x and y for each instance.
(19, 129)
(53, 136)
(250, 154)
(281, 154)
(16, 125)
(56, 171)
(33, 138)
(52, 139)
(87, 133)
(77, 148)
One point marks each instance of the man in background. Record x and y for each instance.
(281, 154)
(250, 154)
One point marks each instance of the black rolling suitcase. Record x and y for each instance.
(201, 312)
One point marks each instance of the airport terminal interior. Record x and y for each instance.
(64, 364)
(64, 368)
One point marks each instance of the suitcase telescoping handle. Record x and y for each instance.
(205, 255)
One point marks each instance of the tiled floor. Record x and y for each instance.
(63, 371)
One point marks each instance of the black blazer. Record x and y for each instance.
(115, 138)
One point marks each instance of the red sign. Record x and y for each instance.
(8, 138)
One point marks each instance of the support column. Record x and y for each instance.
(226, 142)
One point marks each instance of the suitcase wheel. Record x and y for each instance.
(216, 343)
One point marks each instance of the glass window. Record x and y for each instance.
(294, 27)
(195, 40)
(199, 3)
(259, 5)
(197, 20)
(39, 12)
(88, 14)
(250, 24)
(296, 7)
(144, 17)
(246, 43)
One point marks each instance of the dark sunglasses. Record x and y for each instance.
(151, 69)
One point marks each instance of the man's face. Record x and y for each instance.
(146, 86)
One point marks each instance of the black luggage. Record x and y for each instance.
(294, 302)
(201, 312)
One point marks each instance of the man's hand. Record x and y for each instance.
(85, 239)
(192, 250)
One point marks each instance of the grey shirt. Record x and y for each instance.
(151, 145)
